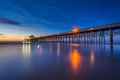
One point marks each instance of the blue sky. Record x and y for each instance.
(43, 17)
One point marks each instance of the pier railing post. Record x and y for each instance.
(111, 36)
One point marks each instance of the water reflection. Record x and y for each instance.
(75, 59)
(75, 45)
(40, 49)
(50, 47)
(111, 52)
(26, 53)
(92, 57)
(26, 49)
(58, 49)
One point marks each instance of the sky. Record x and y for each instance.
(21, 18)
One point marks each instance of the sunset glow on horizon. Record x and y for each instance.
(11, 39)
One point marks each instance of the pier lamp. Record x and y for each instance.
(75, 30)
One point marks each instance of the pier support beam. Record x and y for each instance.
(84, 37)
(96, 38)
(111, 36)
(104, 36)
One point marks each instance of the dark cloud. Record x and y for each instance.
(1, 34)
(7, 21)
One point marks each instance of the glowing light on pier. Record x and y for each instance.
(75, 30)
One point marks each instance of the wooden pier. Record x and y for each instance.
(89, 35)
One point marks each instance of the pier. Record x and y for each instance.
(88, 35)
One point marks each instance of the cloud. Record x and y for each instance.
(53, 23)
(1, 34)
(7, 21)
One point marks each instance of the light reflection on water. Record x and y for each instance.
(26, 49)
(26, 55)
(58, 49)
(59, 61)
(75, 59)
(50, 47)
(92, 57)
(40, 49)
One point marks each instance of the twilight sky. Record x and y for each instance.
(21, 18)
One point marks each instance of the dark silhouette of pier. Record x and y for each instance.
(89, 35)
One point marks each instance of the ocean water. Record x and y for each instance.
(59, 61)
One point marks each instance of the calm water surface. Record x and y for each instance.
(59, 61)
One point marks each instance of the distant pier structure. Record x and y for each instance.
(89, 35)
